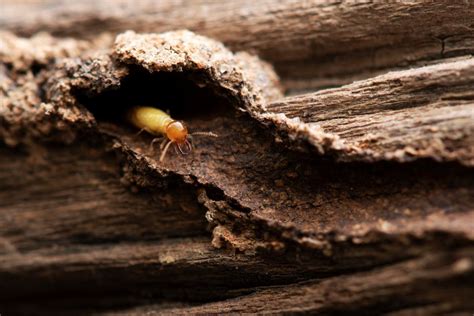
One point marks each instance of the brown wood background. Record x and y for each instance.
(341, 182)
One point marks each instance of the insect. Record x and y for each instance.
(158, 123)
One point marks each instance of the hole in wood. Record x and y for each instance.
(185, 96)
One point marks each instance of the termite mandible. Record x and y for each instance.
(158, 123)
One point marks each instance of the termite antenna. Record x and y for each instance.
(165, 150)
(211, 134)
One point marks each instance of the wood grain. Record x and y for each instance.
(312, 44)
(356, 199)
(425, 112)
(390, 290)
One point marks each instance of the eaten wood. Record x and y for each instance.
(357, 199)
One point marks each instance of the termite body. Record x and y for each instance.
(159, 123)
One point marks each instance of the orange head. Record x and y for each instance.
(177, 132)
(177, 135)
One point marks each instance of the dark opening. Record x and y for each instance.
(185, 96)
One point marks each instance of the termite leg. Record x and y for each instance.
(190, 143)
(186, 150)
(176, 150)
(163, 143)
(153, 143)
(140, 131)
(189, 140)
(165, 150)
(190, 146)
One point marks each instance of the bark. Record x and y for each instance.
(357, 199)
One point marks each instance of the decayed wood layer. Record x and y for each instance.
(76, 195)
(72, 226)
(290, 215)
(436, 284)
(262, 185)
(312, 44)
(424, 112)
(46, 104)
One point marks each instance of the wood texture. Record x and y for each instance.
(357, 199)
(312, 44)
(389, 290)
(72, 221)
(426, 112)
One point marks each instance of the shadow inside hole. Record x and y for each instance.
(174, 92)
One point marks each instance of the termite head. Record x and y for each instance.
(177, 133)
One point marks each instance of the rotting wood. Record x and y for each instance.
(436, 283)
(418, 113)
(384, 290)
(279, 215)
(312, 44)
(76, 196)
(67, 216)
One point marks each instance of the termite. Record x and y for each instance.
(158, 123)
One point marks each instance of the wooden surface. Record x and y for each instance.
(403, 115)
(357, 199)
(312, 44)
